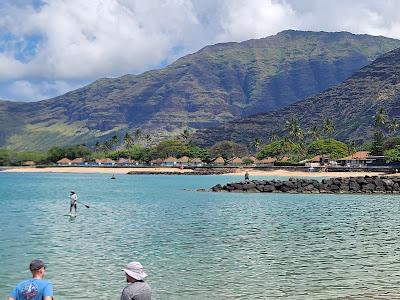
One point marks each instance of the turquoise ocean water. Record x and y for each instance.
(197, 245)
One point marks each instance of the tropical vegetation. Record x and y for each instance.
(290, 149)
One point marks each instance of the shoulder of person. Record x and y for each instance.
(23, 282)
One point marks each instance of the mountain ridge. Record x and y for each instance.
(351, 105)
(204, 89)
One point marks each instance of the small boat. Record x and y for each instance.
(112, 177)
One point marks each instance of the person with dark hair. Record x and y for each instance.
(136, 289)
(35, 288)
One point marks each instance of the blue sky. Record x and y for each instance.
(49, 47)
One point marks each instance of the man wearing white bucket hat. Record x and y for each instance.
(136, 289)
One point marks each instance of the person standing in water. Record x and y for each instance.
(137, 288)
(35, 288)
(246, 176)
(72, 205)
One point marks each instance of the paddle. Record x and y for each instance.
(87, 206)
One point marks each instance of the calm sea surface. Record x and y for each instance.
(197, 245)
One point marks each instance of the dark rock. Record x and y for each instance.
(249, 185)
(368, 187)
(361, 180)
(336, 185)
(354, 186)
(388, 182)
(333, 188)
(269, 188)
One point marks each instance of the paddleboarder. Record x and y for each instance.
(73, 199)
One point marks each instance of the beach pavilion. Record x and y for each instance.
(218, 161)
(183, 161)
(169, 162)
(64, 162)
(196, 162)
(236, 161)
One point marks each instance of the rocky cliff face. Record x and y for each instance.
(210, 87)
(351, 105)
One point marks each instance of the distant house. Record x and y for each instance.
(183, 161)
(235, 161)
(78, 161)
(318, 161)
(64, 162)
(105, 162)
(218, 161)
(196, 162)
(29, 163)
(358, 159)
(156, 162)
(268, 161)
(123, 161)
(169, 162)
(363, 159)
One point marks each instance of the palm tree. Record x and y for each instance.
(315, 132)
(328, 127)
(294, 129)
(114, 140)
(107, 146)
(257, 144)
(285, 147)
(393, 126)
(273, 136)
(138, 134)
(379, 135)
(351, 148)
(185, 135)
(97, 146)
(148, 139)
(380, 118)
(128, 141)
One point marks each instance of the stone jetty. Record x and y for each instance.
(340, 185)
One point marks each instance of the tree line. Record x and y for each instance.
(295, 145)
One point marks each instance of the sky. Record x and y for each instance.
(49, 47)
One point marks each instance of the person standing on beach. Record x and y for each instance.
(246, 176)
(35, 288)
(136, 289)
(73, 198)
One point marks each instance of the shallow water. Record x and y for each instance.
(197, 245)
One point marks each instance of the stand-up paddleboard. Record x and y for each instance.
(71, 215)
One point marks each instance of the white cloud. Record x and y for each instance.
(73, 41)
(87, 39)
(24, 90)
(255, 19)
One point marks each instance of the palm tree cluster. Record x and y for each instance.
(128, 140)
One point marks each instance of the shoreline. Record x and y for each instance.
(174, 170)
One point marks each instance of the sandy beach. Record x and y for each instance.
(161, 170)
(94, 170)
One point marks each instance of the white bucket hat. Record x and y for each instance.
(135, 270)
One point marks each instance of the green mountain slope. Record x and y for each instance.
(351, 105)
(210, 87)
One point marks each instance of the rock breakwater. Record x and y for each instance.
(341, 185)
